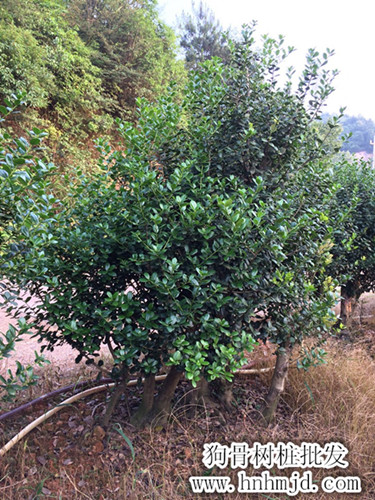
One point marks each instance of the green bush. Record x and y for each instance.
(81, 64)
(24, 205)
(179, 252)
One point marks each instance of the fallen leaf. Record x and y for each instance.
(42, 460)
(98, 447)
(99, 432)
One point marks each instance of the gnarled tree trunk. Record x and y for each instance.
(119, 390)
(199, 395)
(147, 401)
(223, 390)
(349, 297)
(277, 383)
(162, 403)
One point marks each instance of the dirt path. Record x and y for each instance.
(24, 351)
(62, 356)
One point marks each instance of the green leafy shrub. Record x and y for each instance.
(24, 206)
(207, 230)
(240, 120)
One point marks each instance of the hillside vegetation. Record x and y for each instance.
(82, 64)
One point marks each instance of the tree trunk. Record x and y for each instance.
(348, 300)
(162, 403)
(119, 390)
(277, 384)
(223, 390)
(147, 401)
(210, 396)
(199, 396)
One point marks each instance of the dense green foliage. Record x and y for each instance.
(255, 127)
(42, 55)
(132, 48)
(138, 266)
(23, 205)
(240, 122)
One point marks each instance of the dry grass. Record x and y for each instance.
(67, 459)
(336, 402)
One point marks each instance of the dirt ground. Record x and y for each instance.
(24, 352)
(72, 457)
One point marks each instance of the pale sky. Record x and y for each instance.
(348, 27)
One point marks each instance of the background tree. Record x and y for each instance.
(353, 211)
(202, 36)
(362, 132)
(43, 56)
(133, 49)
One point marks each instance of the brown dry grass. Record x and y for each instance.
(67, 459)
(336, 402)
